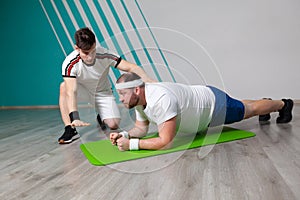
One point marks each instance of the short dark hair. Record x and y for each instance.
(129, 76)
(85, 38)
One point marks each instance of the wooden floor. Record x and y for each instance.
(34, 166)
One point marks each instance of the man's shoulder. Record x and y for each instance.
(102, 53)
(72, 58)
(155, 91)
(161, 86)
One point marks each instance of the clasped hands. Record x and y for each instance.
(120, 141)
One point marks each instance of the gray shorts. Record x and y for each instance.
(104, 102)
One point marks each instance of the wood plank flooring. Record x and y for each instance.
(34, 166)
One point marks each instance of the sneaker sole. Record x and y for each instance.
(75, 137)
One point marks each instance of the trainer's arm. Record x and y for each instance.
(167, 132)
(71, 99)
(71, 91)
(130, 67)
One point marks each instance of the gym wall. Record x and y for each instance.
(30, 56)
(249, 48)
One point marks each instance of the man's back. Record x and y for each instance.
(190, 105)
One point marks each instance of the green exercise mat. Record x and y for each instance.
(103, 152)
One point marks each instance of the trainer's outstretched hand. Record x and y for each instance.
(78, 122)
(113, 138)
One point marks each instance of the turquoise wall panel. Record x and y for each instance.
(30, 55)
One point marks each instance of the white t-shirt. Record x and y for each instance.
(93, 77)
(192, 105)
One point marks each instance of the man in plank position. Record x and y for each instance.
(177, 107)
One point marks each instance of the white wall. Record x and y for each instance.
(254, 43)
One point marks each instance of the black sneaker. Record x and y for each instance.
(285, 114)
(264, 118)
(101, 123)
(69, 135)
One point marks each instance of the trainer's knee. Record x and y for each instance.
(112, 123)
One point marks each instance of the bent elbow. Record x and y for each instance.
(167, 146)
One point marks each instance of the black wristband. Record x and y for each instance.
(74, 115)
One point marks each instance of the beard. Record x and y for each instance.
(133, 102)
